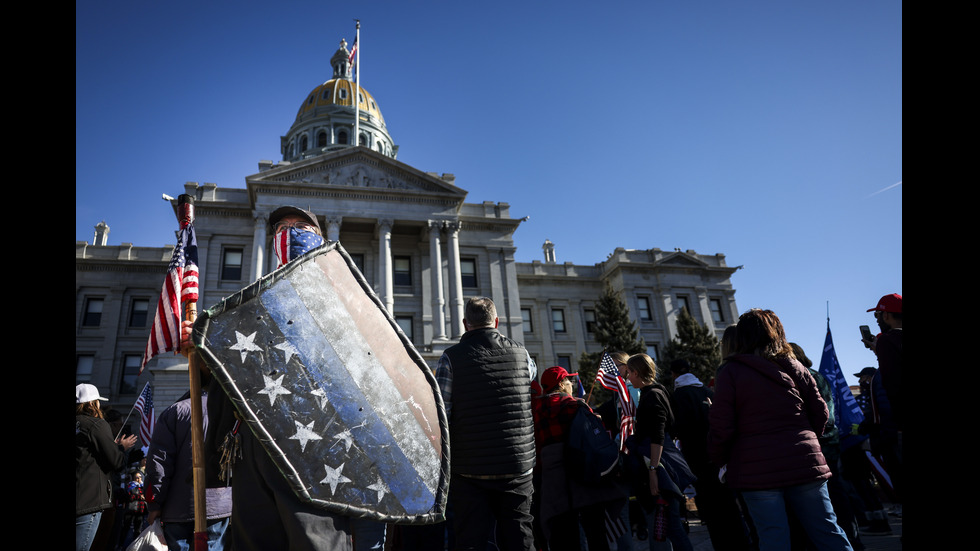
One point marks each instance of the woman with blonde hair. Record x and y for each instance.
(97, 455)
(653, 419)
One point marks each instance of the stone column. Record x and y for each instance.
(435, 261)
(333, 228)
(385, 268)
(455, 279)
(259, 222)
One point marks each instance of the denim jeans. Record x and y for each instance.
(85, 528)
(180, 535)
(810, 503)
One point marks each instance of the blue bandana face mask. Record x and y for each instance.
(292, 243)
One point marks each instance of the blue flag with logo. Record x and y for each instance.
(845, 406)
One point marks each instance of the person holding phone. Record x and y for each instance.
(890, 421)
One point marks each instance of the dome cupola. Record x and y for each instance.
(325, 120)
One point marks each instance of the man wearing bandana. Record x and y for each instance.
(266, 514)
(296, 233)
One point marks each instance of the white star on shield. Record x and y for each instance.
(304, 433)
(334, 477)
(321, 397)
(288, 348)
(245, 344)
(273, 388)
(346, 437)
(379, 487)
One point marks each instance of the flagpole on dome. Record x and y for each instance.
(357, 84)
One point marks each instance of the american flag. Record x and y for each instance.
(353, 52)
(180, 285)
(144, 405)
(608, 376)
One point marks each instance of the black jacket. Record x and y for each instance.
(491, 425)
(97, 456)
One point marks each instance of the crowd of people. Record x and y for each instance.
(758, 447)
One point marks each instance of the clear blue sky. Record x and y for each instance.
(769, 131)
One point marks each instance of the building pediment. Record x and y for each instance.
(359, 170)
(682, 260)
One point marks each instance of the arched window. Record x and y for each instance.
(321, 139)
(342, 137)
(362, 140)
(303, 144)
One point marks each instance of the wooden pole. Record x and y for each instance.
(185, 214)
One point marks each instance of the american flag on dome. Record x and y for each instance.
(144, 405)
(608, 376)
(180, 285)
(353, 52)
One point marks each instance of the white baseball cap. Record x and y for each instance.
(86, 393)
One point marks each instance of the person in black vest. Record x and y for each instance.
(485, 383)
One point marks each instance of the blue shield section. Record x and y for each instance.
(340, 399)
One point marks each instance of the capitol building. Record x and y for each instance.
(422, 247)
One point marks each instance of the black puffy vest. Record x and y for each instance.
(491, 426)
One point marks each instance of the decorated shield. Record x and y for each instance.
(338, 396)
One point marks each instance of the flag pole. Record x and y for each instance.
(594, 379)
(357, 85)
(185, 216)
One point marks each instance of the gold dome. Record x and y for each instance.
(338, 92)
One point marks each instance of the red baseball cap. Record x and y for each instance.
(889, 303)
(552, 376)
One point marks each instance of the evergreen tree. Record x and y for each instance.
(694, 343)
(614, 331)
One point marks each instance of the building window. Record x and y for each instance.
(558, 320)
(358, 259)
(644, 305)
(361, 139)
(84, 365)
(403, 270)
(310, 101)
(467, 270)
(566, 362)
(652, 352)
(321, 139)
(682, 303)
(405, 323)
(526, 319)
(231, 264)
(342, 136)
(138, 312)
(93, 312)
(304, 144)
(717, 315)
(130, 374)
(589, 320)
(342, 93)
(326, 93)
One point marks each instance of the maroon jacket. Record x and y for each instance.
(764, 423)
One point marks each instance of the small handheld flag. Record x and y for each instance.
(144, 405)
(608, 376)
